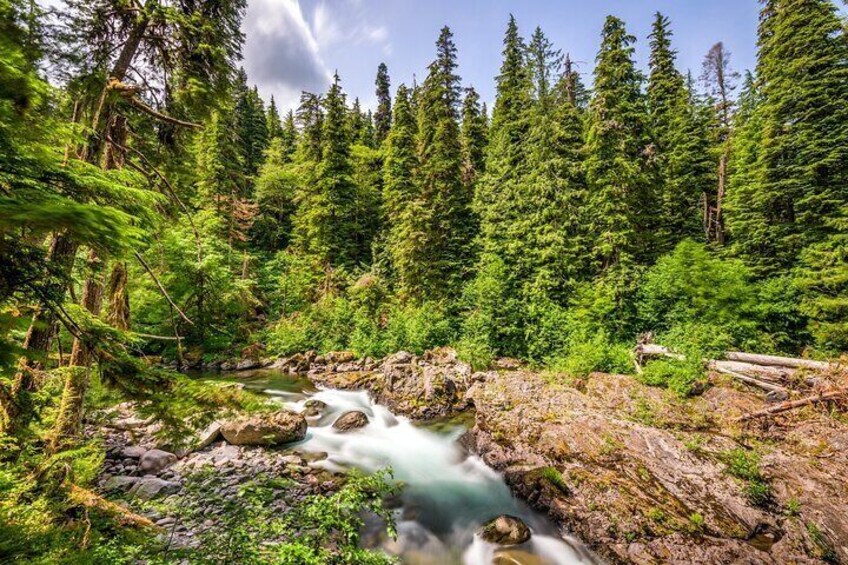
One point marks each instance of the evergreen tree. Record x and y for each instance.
(383, 115)
(474, 137)
(620, 200)
(801, 172)
(324, 222)
(272, 121)
(357, 125)
(447, 226)
(400, 194)
(310, 116)
(251, 125)
(288, 136)
(674, 120)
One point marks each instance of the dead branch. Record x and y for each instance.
(770, 387)
(775, 361)
(124, 516)
(161, 288)
(839, 394)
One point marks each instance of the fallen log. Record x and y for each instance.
(767, 372)
(123, 516)
(767, 386)
(793, 404)
(776, 361)
(650, 350)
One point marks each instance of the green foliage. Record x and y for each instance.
(680, 376)
(582, 356)
(745, 465)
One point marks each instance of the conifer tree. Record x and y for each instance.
(620, 199)
(324, 223)
(356, 120)
(383, 114)
(447, 226)
(310, 117)
(474, 137)
(288, 136)
(251, 125)
(272, 121)
(802, 165)
(673, 122)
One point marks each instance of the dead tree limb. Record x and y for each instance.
(767, 386)
(161, 288)
(793, 404)
(775, 361)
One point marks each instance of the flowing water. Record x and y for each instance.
(447, 493)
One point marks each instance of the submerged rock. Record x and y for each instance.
(314, 408)
(505, 530)
(282, 427)
(351, 421)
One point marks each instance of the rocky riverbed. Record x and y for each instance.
(636, 473)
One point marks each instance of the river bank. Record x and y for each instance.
(639, 475)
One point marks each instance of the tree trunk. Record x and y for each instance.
(69, 420)
(16, 411)
(118, 312)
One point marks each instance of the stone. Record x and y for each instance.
(208, 436)
(505, 530)
(133, 452)
(313, 408)
(339, 357)
(271, 429)
(155, 460)
(399, 358)
(351, 421)
(516, 557)
(120, 483)
(246, 364)
(151, 487)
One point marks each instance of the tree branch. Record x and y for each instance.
(161, 288)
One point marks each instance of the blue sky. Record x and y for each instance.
(295, 45)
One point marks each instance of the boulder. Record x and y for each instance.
(351, 421)
(399, 358)
(313, 408)
(247, 364)
(505, 530)
(271, 429)
(339, 357)
(120, 483)
(208, 436)
(155, 460)
(151, 487)
(133, 452)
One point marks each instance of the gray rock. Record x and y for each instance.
(208, 436)
(155, 460)
(351, 421)
(133, 452)
(505, 530)
(120, 483)
(246, 364)
(314, 408)
(150, 487)
(273, 429)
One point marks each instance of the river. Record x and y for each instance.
(447, 493)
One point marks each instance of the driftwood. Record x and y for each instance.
(775, 361)
(767, 386)
(124, 516)
(841, 393)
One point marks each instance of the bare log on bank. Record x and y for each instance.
(840, 394)
(776, 361)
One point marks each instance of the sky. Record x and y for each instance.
(296, 45)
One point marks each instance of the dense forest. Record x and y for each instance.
(157, 215)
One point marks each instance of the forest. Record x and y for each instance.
(159, 219)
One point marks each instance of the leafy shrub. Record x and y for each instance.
(745, 465)
(596, 353)
(681, 376)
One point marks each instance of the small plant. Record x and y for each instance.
(745, 465)
(823, 549)
(555, 478)
(793, 507)
(696, 523)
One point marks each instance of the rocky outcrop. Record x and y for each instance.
(156, 460)
(421, 387)
(505, 530)
(352, 420)
(271, 429)
(643, 477)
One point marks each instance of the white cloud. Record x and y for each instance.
(284, 51)
(282, 54)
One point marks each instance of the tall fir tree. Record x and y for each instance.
(324, 223)
(272, 121)
(801, 174)
(673, 121)
(251, 125)
(447, 223)
(475, 133)
(401, 206)
(620, 200)
(288, 136)
(383, 114)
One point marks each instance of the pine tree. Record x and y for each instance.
(356, 121)
(802, 164)
(400, 195)
(620, 200)
(383, 115)
(288, 136)
(310, 116)
(673, 122)
(272, 121)
(474, 137)
(447, 226)
(251, 125)
(324, 223)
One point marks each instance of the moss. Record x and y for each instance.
(745, 465)
(552, 475)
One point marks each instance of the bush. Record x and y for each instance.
(596, 353)
(681, 376)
